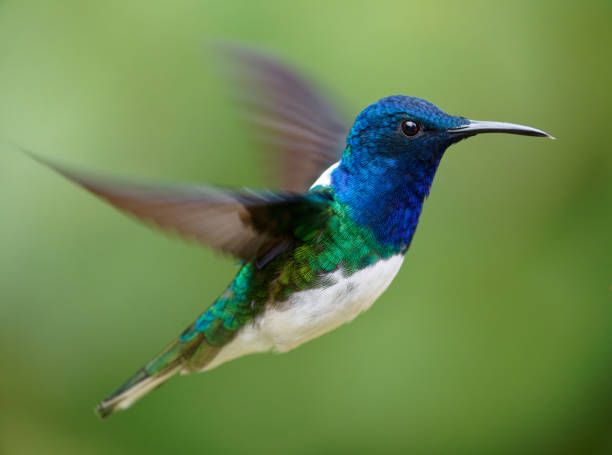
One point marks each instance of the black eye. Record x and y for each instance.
(409, 127)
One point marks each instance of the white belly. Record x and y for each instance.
(308, 314)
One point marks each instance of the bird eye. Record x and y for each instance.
(409, 127)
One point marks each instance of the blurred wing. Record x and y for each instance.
(247, 224)
(302, 133)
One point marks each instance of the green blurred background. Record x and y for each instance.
(496, 337)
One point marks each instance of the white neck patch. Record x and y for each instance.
(325, 178)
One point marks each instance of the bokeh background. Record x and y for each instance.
(496, 337)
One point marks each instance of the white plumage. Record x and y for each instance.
(308, 314)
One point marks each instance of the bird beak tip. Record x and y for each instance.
(546, 135)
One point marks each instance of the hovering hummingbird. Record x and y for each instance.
(312, 257)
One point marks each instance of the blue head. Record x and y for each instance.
(392, 153)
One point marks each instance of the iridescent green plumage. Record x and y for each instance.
(339, 244)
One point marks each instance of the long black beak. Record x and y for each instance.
(477, 127)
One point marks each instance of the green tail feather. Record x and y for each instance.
(157, 371)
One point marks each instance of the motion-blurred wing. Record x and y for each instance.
(302, 131)
(247, 224)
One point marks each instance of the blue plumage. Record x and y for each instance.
(384, 175)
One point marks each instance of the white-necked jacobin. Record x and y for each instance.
(311, 259)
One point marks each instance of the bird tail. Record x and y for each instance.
(157, 371)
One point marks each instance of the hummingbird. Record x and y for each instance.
(313, 254)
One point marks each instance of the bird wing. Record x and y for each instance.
(250, 225)
(300, 131)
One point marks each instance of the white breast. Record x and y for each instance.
(308, 314)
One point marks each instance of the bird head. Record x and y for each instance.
(406, 129)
